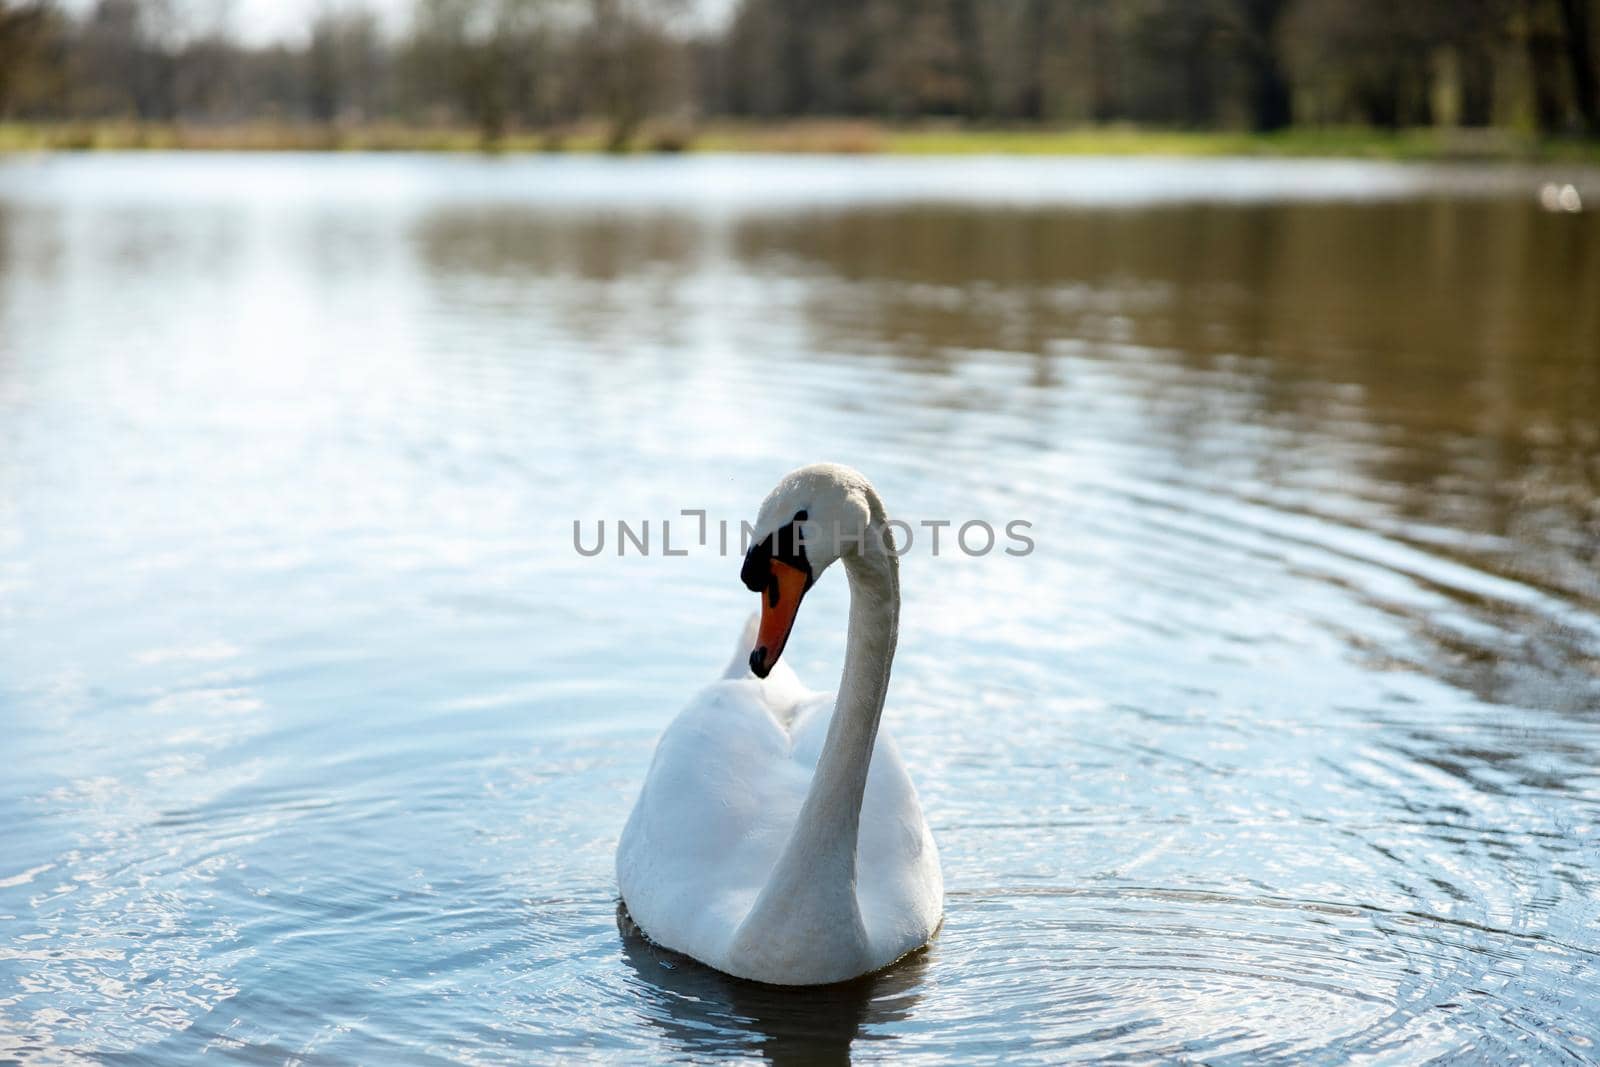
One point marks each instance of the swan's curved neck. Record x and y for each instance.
(812, 888)
(834, 803)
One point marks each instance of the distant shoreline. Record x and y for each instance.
(812, 136)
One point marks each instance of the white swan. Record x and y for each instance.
(778, 836)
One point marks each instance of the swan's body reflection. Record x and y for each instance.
(705, 1012)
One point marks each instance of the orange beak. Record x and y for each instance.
(780, 602)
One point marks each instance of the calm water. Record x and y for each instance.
(318, 735)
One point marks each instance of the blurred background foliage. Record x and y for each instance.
(495, 68)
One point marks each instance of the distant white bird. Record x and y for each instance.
(1553, 197)
(778, 836)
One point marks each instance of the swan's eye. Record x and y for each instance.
(788, 547)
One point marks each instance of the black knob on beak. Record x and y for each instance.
(758, 662)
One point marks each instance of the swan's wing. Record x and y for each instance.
(716, 809)
(739, 665)
(783, 691)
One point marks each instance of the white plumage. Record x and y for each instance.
(725, 860)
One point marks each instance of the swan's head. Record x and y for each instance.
(815, 515)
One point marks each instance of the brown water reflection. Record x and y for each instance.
(1429, 369)
(1448, 351)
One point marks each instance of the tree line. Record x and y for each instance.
(502, 65)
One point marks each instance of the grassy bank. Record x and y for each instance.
(805, 137)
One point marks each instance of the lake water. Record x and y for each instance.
(318, 734)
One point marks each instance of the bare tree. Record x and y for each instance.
(504, 65)
(1257, 24)
(636, 65)
(1578, 35)
(346, 65)
(29, 35)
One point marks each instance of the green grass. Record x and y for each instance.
(811, 136)
(1420, 144)
(266, 137)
